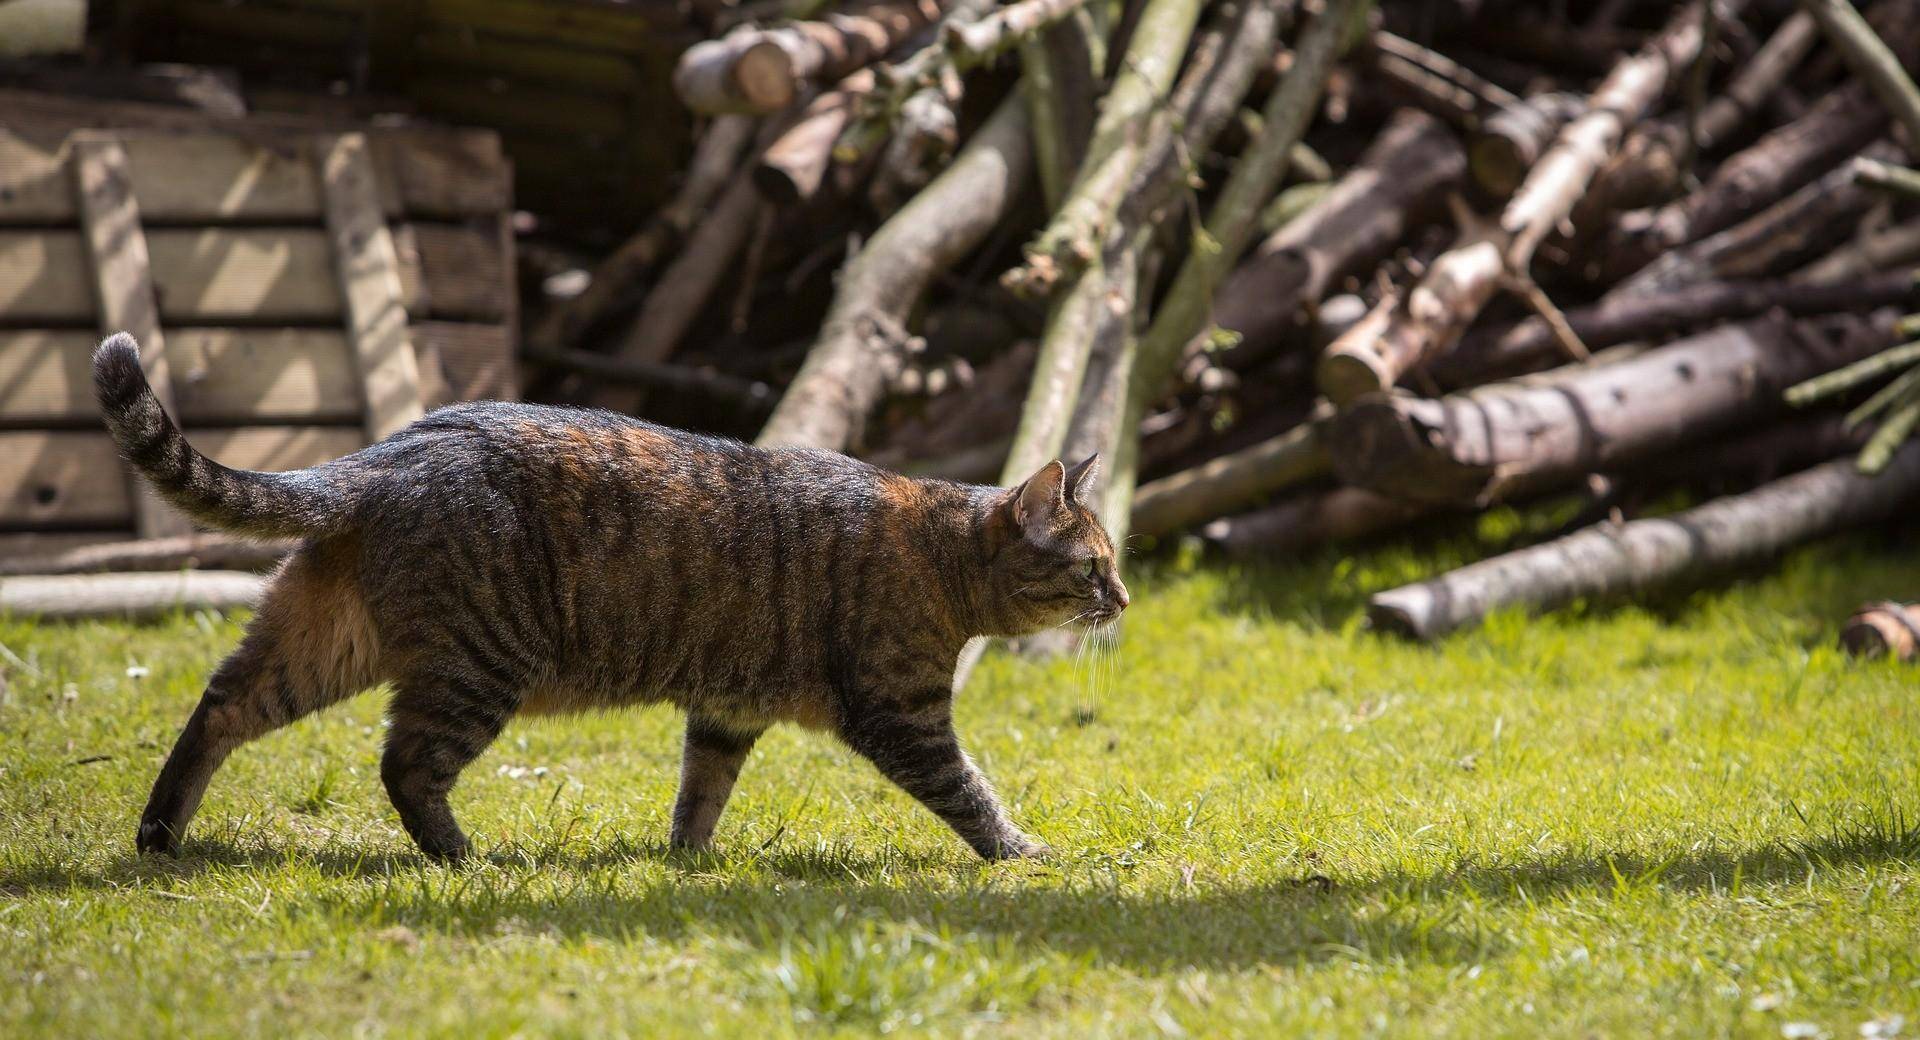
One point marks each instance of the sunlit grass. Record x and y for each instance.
(1692, 819)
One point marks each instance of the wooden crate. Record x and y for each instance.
(298, 290)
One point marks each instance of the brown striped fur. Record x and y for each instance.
(493, 559)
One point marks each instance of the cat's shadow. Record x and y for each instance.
(813, 897)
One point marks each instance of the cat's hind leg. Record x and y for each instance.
(309, 645)
(440, 722)
(709, 765)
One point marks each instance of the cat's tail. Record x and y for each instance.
(304, 502)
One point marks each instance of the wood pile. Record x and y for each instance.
(1300, 271)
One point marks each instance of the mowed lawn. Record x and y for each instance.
(1695, 819)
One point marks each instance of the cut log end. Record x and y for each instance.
(765, 77)
(1408, 613)
(1345, 375)
(1882, 630)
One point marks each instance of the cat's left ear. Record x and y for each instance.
(1041, 498)
(1080, 480)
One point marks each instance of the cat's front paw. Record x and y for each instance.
(1020, 846)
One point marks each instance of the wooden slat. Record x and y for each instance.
(251, 275)
(457, 98)
(469, 361)
(51, 479)
(123, 288)
(245, 275)
(220, 377)
(227, 376)
(209, 178)
(61, 479)
(247, 166)
(53, 543)
(462, 271)
(45, 377)
(369, 278)
(43, 278)
(34, 186)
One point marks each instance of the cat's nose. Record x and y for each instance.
(1120, 597)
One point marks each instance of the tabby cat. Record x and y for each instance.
(493, 559)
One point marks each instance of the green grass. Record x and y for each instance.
(1694, 819)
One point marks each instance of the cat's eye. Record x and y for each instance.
(1093, 567)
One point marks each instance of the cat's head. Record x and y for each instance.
(1053, 563)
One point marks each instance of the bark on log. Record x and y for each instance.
(847, 370)
(1641, 555)
(1874, 250)
(1310, 520)
(223, 551)
(1514, 138)
(1400, 182)
(1436, 83)
(978, 42)
(1458, 285)
(1873, 61)
(1230, 482)
(127, 595)
(714, 159)
(687, 284)
(1532, 434)
(794, 166)
(1530, 343)
(1780, 162)
(1800, 224)
(1883, 630)
(1648, 168)
(766, 70)
(1086, 217)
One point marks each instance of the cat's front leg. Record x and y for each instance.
(709, 765)
(911, 740)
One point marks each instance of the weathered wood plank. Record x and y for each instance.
(424, 171)
(461, 271)
(368, 272)
(616, 27)
(58, 479)
(43, 278)
(123, 287)
(469, 361)
(228, 376)
(52, 543)
(220, 376)
(244, 275)
(34, 186)
(73, 479)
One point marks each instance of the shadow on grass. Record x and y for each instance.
(818, 895)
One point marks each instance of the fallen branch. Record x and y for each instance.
(1883, 630)
(1230, 482)
(792, 168)
(846, 372)
(1531, 434)
(978, 42)
(127, 595)
(1872, 61)
(1309, 520)
(1529, 343)
(156, 554)
(714, 160)
(1636, 557)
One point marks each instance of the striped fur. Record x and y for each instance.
(493, 559)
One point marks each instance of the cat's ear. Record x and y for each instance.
(1040, 498)
(1080, 479)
